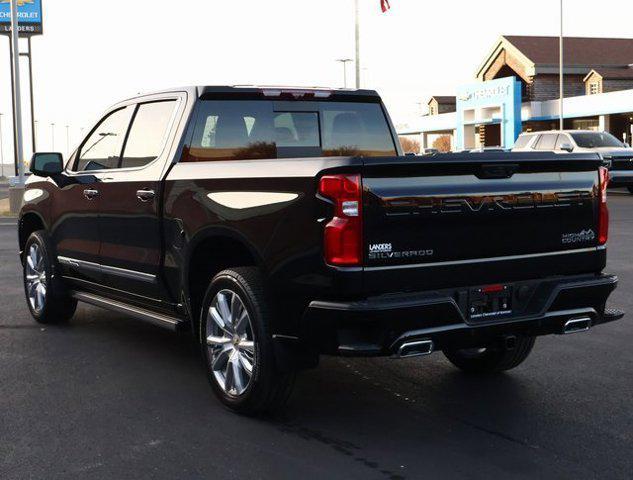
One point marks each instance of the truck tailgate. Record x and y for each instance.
(455, 211)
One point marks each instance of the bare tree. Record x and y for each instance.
(443, 143)
(410, 145)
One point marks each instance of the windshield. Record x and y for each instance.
(261, 129)
(596, 140)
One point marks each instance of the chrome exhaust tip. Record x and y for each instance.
(416, 348)
(576, 325)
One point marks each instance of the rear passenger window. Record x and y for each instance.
(547, 142)
(148, 133)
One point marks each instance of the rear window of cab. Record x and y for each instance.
(264, 129)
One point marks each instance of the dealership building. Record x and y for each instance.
(517, 89)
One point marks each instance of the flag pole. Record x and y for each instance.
(357, 36)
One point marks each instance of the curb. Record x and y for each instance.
(8, 221)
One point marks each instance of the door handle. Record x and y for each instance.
(90, 193)
(145, 195)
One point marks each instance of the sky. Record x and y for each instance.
(96, 53)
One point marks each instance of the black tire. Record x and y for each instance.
(630, 190)
(46, 296)
(491, 360)
(267, 388)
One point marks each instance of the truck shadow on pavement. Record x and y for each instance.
(390, 418)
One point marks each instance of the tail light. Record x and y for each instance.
(603, 219)
(343, 234)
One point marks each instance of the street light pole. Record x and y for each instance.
(15, 49)
(344, 61)
(357, 38)
(560, 68)
(1, 150)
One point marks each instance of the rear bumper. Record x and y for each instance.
(621, 178)
(381, 325)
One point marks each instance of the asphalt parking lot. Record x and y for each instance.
(107, 397)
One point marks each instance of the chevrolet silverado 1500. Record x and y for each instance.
(280, 224)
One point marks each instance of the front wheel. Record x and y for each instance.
(490, 360)
(237, 343)
(46, 297)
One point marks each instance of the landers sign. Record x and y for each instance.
(29, 17)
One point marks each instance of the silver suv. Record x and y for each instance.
(618, 154)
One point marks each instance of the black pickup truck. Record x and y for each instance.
(280, 224)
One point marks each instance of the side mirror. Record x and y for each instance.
(567, 147)
(47, 164)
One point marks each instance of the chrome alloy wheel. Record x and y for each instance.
(35, 278)
(230, 342)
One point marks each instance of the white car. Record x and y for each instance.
(618, 154)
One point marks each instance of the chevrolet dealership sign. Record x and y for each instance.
(29, 17)
(501, 96)
(498, 91)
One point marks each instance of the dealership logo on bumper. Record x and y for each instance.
(380, 248)
(384, 251)
(584, 236)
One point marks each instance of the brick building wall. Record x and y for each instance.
(545, 87)
(446, 108)
(616, 84)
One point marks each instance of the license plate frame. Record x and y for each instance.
(490, 302)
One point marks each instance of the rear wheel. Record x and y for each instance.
(630, 190)
(237, 344)
(490, 360)
(46, 297)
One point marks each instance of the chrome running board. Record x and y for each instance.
(162, 320)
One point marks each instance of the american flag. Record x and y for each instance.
(384, 5)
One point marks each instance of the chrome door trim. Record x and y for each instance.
(132, 274)
(79, 264)
(121, 272)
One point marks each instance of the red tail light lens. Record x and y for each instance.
(343, 234)
(603, 219)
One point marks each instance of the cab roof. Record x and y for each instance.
(274, 92)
